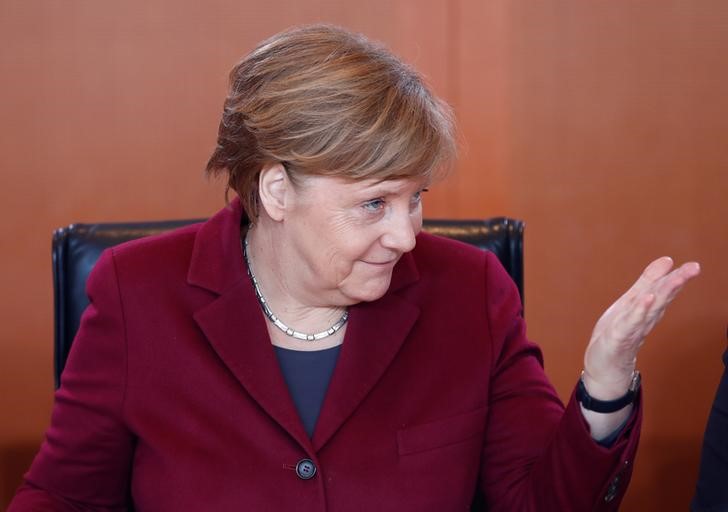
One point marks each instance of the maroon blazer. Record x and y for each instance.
(172, 398)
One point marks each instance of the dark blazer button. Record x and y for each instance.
(305, 469)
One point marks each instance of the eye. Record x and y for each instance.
(374, 205)
(417, 198)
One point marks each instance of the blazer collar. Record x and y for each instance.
(217, 256)
(235, 327)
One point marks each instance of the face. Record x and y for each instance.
(346, 236)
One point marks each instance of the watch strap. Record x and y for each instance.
(606, 406)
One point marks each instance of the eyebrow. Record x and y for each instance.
(386, 187)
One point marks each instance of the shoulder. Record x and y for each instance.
(437, 254)
(444, 267)
(203, 255)
(441, 249)
(157, 253)
(458, 269)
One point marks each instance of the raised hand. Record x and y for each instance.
(610, 357)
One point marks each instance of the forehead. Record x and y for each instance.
(343, 187)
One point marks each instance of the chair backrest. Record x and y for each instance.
(77, 247)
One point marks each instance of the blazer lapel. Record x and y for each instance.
(375, 333)
(233, 322)
(235, 327)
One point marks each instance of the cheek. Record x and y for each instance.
(349, 249)
(344, 244)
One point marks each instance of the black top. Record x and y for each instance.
(307, 375)
(712, 489)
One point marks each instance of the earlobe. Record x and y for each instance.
(272, 185)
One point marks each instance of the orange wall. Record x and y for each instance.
(599, 123)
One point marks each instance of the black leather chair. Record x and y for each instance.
(77, 247)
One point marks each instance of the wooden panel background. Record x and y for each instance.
(601, 124)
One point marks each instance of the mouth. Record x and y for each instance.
(382, 263)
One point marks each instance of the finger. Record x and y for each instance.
(658, 268)
(690, 269)
(653, 272)
(670, 285)
(668, 290)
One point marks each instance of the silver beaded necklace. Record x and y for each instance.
(277, 321)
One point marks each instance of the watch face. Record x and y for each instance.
(636, 381)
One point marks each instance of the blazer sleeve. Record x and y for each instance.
(537, 454)
(85, 460)
(711, 492)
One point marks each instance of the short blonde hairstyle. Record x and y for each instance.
(324, 101)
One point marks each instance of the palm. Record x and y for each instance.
(621, 330)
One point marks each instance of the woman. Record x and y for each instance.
(307, 348)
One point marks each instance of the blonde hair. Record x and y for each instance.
(322, 100)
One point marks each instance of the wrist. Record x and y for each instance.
(608, 387)
(610, 400)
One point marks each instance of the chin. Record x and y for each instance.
(368, 292)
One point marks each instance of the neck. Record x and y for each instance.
(287, 298)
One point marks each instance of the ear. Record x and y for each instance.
(273, 183)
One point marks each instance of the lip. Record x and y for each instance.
(381, 263)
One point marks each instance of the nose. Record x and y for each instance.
(401, 231)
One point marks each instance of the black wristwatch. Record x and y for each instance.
(605, 406)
